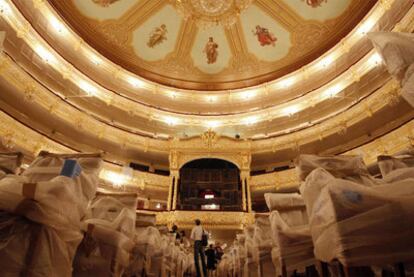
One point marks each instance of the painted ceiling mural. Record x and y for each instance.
(212, 44)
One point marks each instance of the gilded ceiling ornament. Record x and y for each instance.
(209, 138)
(342, 128)
(315, 3)
(157, 36)
(29, 92)
(393, 96)
(8, 141)
(207, 13)
(104, 3)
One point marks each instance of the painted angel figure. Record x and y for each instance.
(104, 3)
(315, 3)
(157, 36)
(264, 36)
(211, 51)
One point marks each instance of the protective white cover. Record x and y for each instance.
(108, 243)
(339, 166)
(397, 51)
(9, 162)
(283, 201)
(42, 237)
(144, 220)
(48, 165)
(40, 221)
(292, 240)
(148, 247)
(388, 164)
(360, 225)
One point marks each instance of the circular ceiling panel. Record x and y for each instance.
(212, 45)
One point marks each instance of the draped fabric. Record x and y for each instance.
(397, 51)
(360, 224)
(40, 217)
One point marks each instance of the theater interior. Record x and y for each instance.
(286, 127)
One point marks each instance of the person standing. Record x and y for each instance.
(211, 260)
(197, 236)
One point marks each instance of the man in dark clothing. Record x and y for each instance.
(211, 260)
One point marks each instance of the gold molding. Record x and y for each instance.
(210, 220)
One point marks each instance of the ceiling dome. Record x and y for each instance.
(212, 45)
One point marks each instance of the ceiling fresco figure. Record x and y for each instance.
(104, 3)
(264, 36)
(315, 3)
(211, 51)
(157, 36)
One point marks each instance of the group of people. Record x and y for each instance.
(200, 239)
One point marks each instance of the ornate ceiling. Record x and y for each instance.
(211, 45)
(285, 77)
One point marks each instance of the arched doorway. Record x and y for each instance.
(209, 184)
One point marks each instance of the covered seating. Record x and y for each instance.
(41, 212)
(355, 219)
(109, 228)
(292, 242)
(9, 163)
(397, 51)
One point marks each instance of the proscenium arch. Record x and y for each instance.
(235, 160)
(210, 160)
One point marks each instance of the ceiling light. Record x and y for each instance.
(135, 82)
(88, 88)
(291, 110)
(285, 83)
(171, 120)
(56, 24)
(95, 59)
(366, 27)
(213, 123)
(250, 120)
(5, 7)
(375, 59)
(326, 61)
(211, 98)
(45, 54)
(332, 91)
(172, 94)
(115, 178)
(249, 94)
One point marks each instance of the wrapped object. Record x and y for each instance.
(388, 164)
(108, 242)
(263, 246)
(338, 166)
(293, 247)
(145, 220)
(9, 163)
(148, 245)
(360, 225)
(283, 201)
(49, 165)
(40, 221)
(397, 51)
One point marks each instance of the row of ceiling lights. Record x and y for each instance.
(91, 89)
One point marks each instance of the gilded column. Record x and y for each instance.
(170, 192)
(249, 196)
(246, 159)
(175, 175)
(243, 191)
